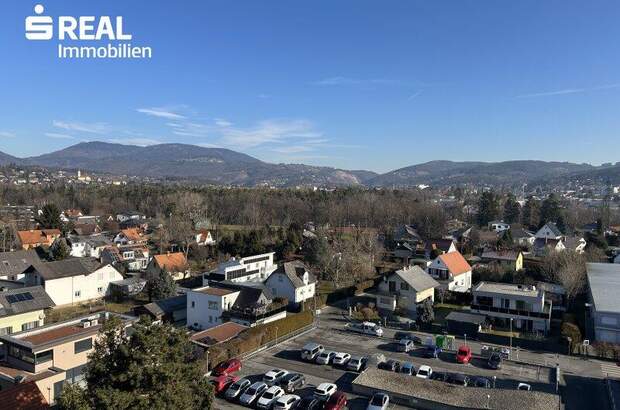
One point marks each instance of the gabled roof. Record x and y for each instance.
(36, 236)
(13, 263)
(501, 255)
(23, 396)
(455, 262)
(249, 292)
(86, 229)
(219, 333)
(171, 262)
(542, 243)
(572, 242)
(65, 268)
(132, 234)
(294, 271)
(416, 278)
(407, 232)
(553, 228)
(441, 244)
(166, 306)
(521, 233)
(23, 300)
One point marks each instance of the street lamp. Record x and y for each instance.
(585, 319)
(510, 337)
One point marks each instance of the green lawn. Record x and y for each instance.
(70, 312)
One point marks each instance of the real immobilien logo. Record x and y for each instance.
(84, 28)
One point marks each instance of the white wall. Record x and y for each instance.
(64, 291)
(200, 315)
(281, 286)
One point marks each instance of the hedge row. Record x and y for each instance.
(253, 338)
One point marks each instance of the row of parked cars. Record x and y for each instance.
(316, 353)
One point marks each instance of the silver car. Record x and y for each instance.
(237, 388)
(252, 393)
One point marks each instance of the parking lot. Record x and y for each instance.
(286, 356)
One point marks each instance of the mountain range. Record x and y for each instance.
(227, 167)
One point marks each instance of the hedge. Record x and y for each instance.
(253, 338)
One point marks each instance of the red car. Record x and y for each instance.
(221, 383)
(337, 401)
(463, 355)
(227, 367)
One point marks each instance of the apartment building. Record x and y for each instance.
(249, 268)
(525, 305)
(23, 309)
(52, 355)
(604, 309)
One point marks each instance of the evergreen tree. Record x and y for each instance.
(512, 210)
(60, 249)
(161, 286)
(531, 213)
(425, 312)
(505, 240)
(550, 210)
(50, 217)
(488, 208)
(151, 369)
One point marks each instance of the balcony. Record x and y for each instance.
(253, 314)
(514, 312)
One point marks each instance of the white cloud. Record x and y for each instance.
(569, 91)
(222, 123)
(293, 149)
(269, 131)
(349, 81)
(161, 112)
(414, 95)
(59, 136)
(140, 142)
(94, 128)
(6, 134)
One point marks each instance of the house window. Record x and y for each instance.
(77, 293)
(505, 303)
(280, 278)
(213, 305)
(210, 319)
(404, 286)
(30, 325)
(83, 345)
(100, 289)
(45, 356)
(100, 276)
(392, 285)
(193, 304)
(6, 330)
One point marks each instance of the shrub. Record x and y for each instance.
(571, 330)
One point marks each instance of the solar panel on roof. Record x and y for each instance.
(19, 297)
(11, 299)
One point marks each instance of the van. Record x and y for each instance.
(310, 351)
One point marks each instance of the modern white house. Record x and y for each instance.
(604, 309)
(452, 272)
(72, 280)
(254, 268)
(247, 304)
(88, 246)
(405, 289)
(498, 226)
(292, 280)
(525, 305)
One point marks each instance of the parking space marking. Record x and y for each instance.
(610, 370)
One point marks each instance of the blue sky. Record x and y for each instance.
(354, 84)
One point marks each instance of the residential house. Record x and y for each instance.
(407, 240)
(130, 215)
(432, 247)
(452, 272)
(549, 231)
(54, 354)
(522, 237)
(249, 268)
(604, 288)
(204, 238)
(498, 226)
(87, 219)
(549, 238)
(405, 289)
(293, 281)
(70, 215)
(174, 263)
(84, 229)
(130, 236)
(37, 237)
(12, 264)
(245, 303)
(524, 305)
(88, 246)
(132, 258)
(123, 289)
(72, 281)
(507, 259)
(23, 309)
(169, 310)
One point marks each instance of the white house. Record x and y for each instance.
(129, 236)
(549, 231)
(131, 215)
(452, 272)
(205, 306)
(293, 281)
(204, 238)
(72, 280)
(498, 226)
(405, 289)
(88, 246)
(250, 268)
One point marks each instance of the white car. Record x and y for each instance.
(356, 363)
(286, 402)
(324, 391)
(341, 359)
(424, 372)
(252, 393)
(273, 376)
(524, 386)
(367, 328)
(325, 357)
(379, 401)
(269, 397)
